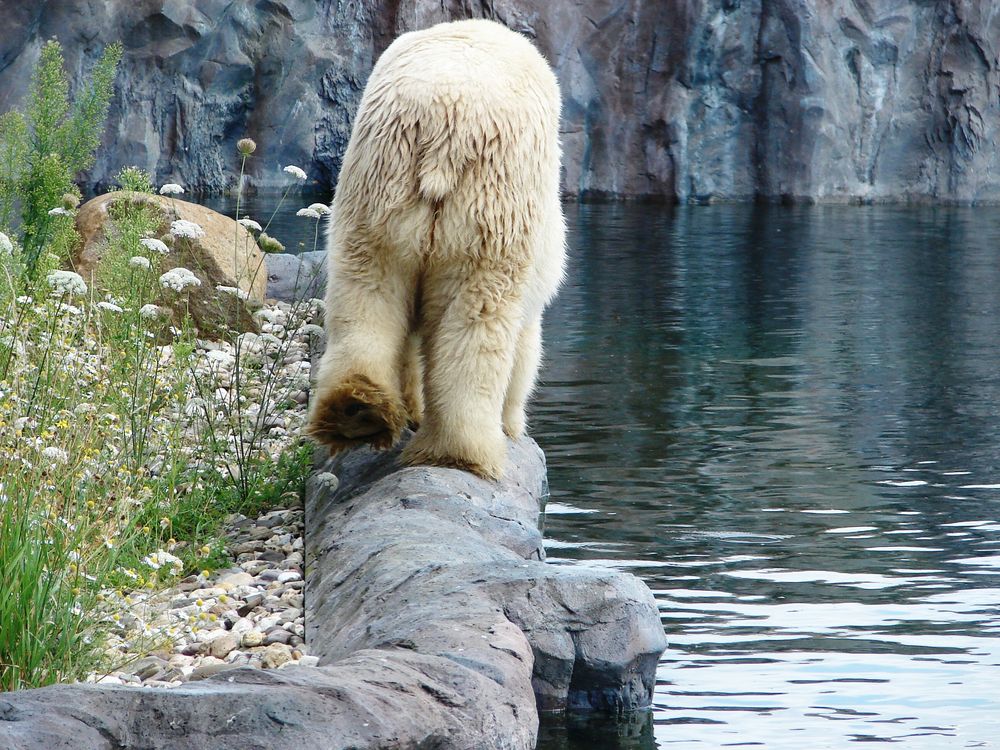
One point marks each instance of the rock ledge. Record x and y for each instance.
(434, 620)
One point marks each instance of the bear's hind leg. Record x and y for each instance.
(470, 329)
(522, 381)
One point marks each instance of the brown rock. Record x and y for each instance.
(227, 255)
(275, 655)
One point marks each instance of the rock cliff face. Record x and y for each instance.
(833, 100)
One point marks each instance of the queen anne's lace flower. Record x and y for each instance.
(185, 228)
(110, 307)
(179, 279)
(158, 246)
(321, 208)
(138, 261)
(6, 246)
(248, 223)
(295, 172)
(235, 291)
(59, 211)
(149, 312)
(66, 282)
(308, 213)
(171, 188)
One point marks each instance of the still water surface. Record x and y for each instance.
(787, 422)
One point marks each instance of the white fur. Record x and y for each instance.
(446, 231)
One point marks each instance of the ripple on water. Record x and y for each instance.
(784, 421)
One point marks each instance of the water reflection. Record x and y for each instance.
(785, 421)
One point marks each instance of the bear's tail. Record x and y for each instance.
(442, 154)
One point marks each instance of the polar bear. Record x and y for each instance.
(446, 243)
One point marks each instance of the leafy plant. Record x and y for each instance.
(43, 149)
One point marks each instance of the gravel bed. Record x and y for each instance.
(250, 614)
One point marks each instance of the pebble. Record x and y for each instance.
(251, 613)
(275, 655)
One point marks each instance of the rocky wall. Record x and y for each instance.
(839, 100)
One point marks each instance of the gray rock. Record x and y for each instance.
(294, 277)
(691, 100)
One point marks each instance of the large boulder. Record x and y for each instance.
(227, 255)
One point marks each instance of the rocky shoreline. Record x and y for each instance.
(250, 615)
(434, 620)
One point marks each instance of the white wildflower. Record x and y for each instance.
(158, 246)
(59, 211)
(70, 309)
(148, 312)
(321, 208)
(84, 408)
(171, 188)
(138, 261)
(161, 558)
(66, 282)
(179, 279)
(110, 307)
(295, 172)
(55, 454)
(308, 213)
(6, 246)
(185, 228)
(235, 291)
(24, 300)
(248, 223)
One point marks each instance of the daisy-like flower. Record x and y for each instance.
(308, 213)
(6, 246)
(321, 208)
(185, 228)
(179, 279)
(247, 223)
(159, 246)
(295, 172)
(110, 307)
(150, 312)
(59, 211)
(235, 291)
(55, 454)
(171, 188)
(66, 282)
(138, 261)
(162, 558)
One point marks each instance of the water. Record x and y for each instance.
(785, 420)
(296, 233)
